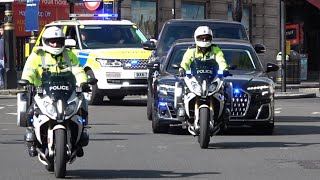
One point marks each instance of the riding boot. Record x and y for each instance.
(84, 138)
(30, 140)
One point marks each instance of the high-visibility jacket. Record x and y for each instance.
(40, 60)
(194, 53)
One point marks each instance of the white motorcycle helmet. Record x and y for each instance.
(200, 32)
(53, 34)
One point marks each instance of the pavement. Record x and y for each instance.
(293, 91)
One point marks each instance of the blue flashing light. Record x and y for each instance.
(236, 91)
(81, 120)
(220, 72)
(188, 71)
(108, 15)
(134, 62)
(161, 104)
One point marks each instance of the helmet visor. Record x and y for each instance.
(55, 42)
(204, 38)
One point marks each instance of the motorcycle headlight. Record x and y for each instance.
(70, 108)
(109, 62)
(164, 89)
(196, 87)
(51, 110)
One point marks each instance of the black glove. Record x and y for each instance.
(181, 72)
(86, 88)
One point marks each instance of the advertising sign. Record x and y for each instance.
(31, 17)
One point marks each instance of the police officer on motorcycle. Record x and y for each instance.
(204, 50)
(52, 57)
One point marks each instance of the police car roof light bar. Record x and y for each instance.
(93, 15)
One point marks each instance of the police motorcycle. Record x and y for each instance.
(58, 120)
(200, 100)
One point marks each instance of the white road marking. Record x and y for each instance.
(277, 112)
(1, 107)
(314, 113)
(277, 109)
(10, 105)
(12, 113)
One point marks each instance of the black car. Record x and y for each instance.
(251, 97)
(175, 29)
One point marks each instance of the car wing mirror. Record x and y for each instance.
(175, 66)
(23, 82)
(259, 48)
(92, 81)
(272, 67)
(154, 65)
(232, 67)
(150, 44)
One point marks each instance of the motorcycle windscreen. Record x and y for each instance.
(58, 85)
(204, 69)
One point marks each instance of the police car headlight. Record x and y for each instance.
(109, 62)
(51, 110)
(70, 108)
(164, 89)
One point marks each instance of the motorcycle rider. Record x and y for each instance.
(204, 50)
(52, 57)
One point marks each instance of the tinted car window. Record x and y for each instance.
(243, 57)
(172, 32)
(111, 36)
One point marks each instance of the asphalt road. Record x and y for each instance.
(122, 146)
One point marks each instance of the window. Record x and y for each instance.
(144, 15)
(246, 17)
(191, 10)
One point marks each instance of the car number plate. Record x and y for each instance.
(113, 74)
(140, 74)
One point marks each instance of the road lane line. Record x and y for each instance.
(277, 109)
(314, 113)
(1, 107)
(12, 113)
(277, 112)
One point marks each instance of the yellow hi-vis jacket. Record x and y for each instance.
(68, 61)
(194, 53)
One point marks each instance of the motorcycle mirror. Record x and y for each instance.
(92, 81)
(226, 73)
(23, 82)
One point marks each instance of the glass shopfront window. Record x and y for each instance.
(246, 17)
(144, 15)
(190, 10)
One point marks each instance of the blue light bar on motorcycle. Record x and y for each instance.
(236, 91)
(220, 72)
(188, 71)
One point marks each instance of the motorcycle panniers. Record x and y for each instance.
(23, 103)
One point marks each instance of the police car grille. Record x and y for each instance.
(240, 103)
(141, 64)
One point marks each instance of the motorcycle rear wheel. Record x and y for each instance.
(204, 136)
(60, 154)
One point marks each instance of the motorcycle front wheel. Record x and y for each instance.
(60, 154)
(204, 136)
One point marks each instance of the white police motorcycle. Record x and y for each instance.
(201, 99)
(58, 120)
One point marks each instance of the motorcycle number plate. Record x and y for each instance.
(141, 74)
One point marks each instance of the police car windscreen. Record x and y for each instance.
(111, 36)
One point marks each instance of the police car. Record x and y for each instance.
(111, 51)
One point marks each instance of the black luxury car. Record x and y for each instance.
(251, 90)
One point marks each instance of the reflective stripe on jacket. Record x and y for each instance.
(193, 53)
(33, 68)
